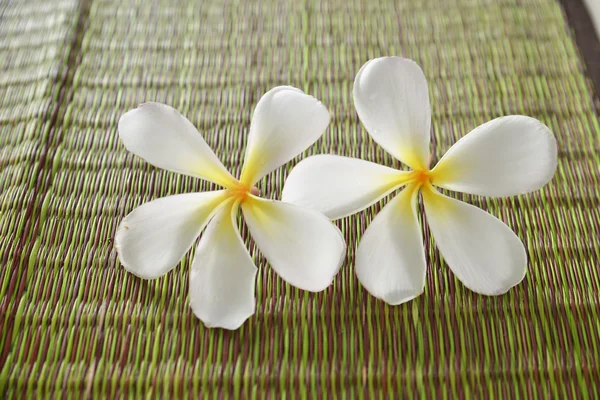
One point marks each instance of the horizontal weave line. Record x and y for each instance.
(31, 27)
(106, 163)
(426, 23)
(140, 46)
(37, 9)
(24, 57)
(26, 77)
(30, 115)
(185, 76)
(268, 43)
(225, 125)
(448, 6)
(210, 81)
(43, 318)
(225, 371)
(34, 43)
(520, 58)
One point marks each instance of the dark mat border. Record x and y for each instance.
(582, 26)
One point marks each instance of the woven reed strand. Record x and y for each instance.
(74, 323)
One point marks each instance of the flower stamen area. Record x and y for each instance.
(420, 177)
(241, 192)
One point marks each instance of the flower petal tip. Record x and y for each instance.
(504, 290)
(391, 98)
(399, 298)
(230, 325)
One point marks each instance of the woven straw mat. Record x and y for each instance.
(75, 324)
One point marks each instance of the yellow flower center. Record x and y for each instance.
(421, 176)
(240, 192)
(417, 178)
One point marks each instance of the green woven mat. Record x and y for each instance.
(75, 324)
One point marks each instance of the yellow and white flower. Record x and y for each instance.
(301, 244)
(504, 157)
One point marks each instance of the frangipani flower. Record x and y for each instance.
(301, 244)
(504, 157)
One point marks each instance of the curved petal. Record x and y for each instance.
(222, 275)
(390, 259)
(392, 101)
(154, 237)
(504, 157)
(286, 122)
(484, 253)
(301, 245)
(166, 139)
(340, 186)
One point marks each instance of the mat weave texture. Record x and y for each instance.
(75, 324)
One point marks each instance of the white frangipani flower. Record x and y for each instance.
(301, 244)
(504, 157)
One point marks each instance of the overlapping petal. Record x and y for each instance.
(340, 186)
(223, 275)
(154, 237)
(286, 122)
(390, 260)
(166, 139)
(504, 157)
(484, 253)
(392, 101)
(301, 245)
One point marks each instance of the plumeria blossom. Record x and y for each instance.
(504, 157)
(301, 244)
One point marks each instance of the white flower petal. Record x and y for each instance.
(339, 186)
(301, 245)
(223, 275)
(166, 139)
(504, 157)
(286, 122)
(390, 259)
(392, 100)
(154, 237)
(484, 253)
